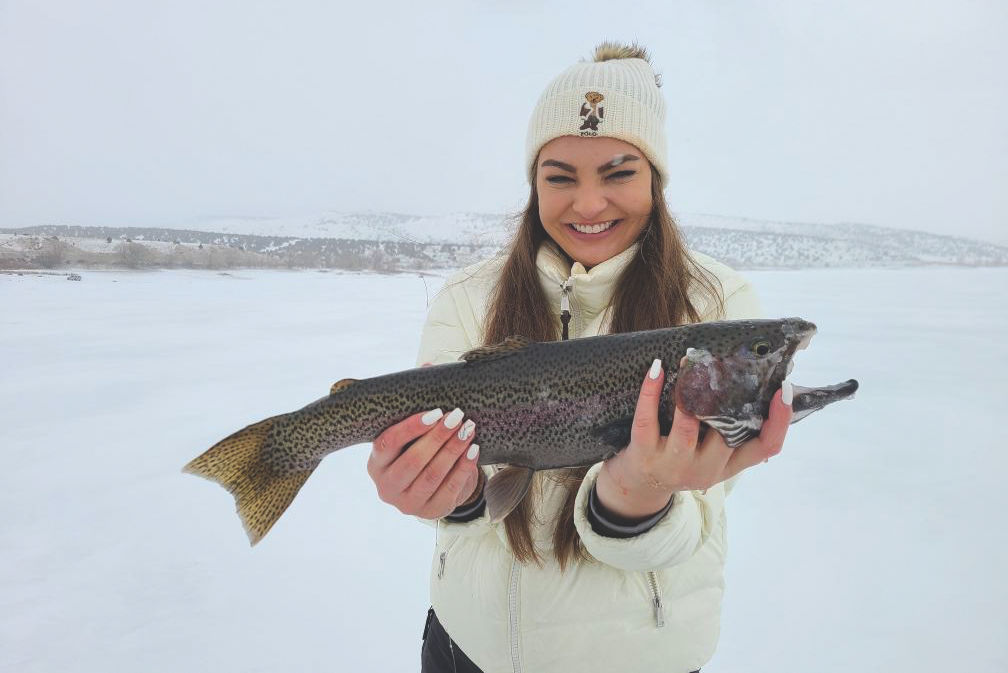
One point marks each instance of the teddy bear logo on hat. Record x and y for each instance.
(592, 115)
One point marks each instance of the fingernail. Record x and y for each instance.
(467, 429)
(453, 419)
(472, 452)
(655, 369)
(431, 417)
(787, 392)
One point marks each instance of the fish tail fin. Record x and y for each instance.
(237, 463)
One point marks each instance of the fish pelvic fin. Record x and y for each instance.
(505, 490)
(261, 493)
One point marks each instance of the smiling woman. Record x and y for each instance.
(594, 196)
(617, 566)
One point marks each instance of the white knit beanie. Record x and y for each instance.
(615, 95)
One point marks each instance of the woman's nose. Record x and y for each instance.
(589, 203)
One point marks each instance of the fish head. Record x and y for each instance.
(729, 376)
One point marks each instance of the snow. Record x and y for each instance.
(875, 541)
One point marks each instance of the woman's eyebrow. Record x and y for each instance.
(559, 164)
(616, 161)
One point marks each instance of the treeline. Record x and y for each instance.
(29, 251)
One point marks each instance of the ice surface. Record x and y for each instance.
(875, 541)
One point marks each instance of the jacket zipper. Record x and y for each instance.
(513, 616)
(656, 602)
(566, 288)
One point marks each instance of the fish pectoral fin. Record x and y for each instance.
(615, 434)
(506, 489)
(509, 346)
(341, 384)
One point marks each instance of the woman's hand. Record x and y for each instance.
(435, 473)
(640, 479)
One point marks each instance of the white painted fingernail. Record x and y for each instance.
(787, 392)
(655, 369)
(472, 452)
(431, 417)
(468, 428)
(453, 419)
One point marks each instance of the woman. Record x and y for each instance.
(618, 566)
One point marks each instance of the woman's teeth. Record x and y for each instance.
(593, 228)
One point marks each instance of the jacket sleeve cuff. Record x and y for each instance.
(673, 539)
(467, 513)
(609, 524)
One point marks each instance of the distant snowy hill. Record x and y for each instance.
(744, 242)
(461, 228)
(394, 241)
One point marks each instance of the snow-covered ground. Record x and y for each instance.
(875, 542)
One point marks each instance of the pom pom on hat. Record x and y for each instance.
(615, 95)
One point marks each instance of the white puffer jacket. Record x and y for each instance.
(647, 603)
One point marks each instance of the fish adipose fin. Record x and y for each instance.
(236, 463)
(340, 385)
(509, 346)
(505, 490)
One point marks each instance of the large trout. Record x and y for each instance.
(536, 406)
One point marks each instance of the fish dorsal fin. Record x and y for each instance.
(509, 346)
(505, 490)
(340, 385)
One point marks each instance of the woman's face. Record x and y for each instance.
(594, 196)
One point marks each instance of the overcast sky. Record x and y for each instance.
(122, 113)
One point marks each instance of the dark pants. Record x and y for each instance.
(440, 654)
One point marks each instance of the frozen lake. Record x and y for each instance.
(876, 541)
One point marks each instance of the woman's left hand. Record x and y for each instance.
(639, 480)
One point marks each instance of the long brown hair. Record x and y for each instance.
(652, 292)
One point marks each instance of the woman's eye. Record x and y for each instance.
(559, 179)
(618, 175)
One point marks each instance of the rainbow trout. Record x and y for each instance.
(537, 406)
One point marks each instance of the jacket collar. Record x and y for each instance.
(590, 291)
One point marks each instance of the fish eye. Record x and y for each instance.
(760, 347)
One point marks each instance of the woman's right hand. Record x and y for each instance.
(426, 464)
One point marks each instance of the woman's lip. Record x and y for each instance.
(615, 223)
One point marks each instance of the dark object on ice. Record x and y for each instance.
(73, 276)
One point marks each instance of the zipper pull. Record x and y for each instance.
(440, 572)
(659, 614)
(565, 314)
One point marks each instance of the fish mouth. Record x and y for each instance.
(800, 329)
(799, 332)
(808, 400)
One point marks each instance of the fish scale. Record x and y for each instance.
(536, 406)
